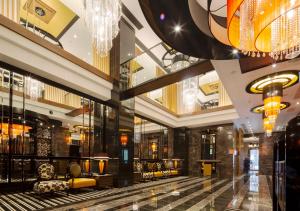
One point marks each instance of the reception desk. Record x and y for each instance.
(208, 167)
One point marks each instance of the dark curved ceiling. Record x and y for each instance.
(190, 41)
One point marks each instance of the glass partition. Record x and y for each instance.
(44, 123)
(196, 94)
(152, 63)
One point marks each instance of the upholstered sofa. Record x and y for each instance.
(79, 182)
(46, 180)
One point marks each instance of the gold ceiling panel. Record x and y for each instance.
(210, 88)
(51, 16)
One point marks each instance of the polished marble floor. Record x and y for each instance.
(192, 194)
(180, 193)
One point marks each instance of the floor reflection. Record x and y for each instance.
(193, 194)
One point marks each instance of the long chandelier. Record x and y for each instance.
(272, 95)
(190, 90)
(257, 27)
(268, 125)
(102, 18)
(33, 88)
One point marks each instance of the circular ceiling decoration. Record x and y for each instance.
(195, 38)
(286, 78)
(260, 108)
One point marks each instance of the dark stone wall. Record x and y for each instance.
(266, 145)
(181, 147)
(194, 153)
(224, 142)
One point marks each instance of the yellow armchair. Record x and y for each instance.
(76, 181)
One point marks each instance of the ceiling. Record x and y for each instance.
(77, 41)
(235, 83)
(217, 7)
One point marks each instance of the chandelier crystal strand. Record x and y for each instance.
(102, 18)
(190, 92)
(265, 26)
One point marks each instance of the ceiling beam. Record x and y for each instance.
(156, 83)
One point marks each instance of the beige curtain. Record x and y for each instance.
(10, 9)
(101, 63)
(224, 99)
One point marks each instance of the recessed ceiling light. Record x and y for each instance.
(177, 28)
(75, 36)
(89, 53)
(297, 103)
(162, 16)
(274, 65)
(235, 51)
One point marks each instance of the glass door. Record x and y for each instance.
(254, 159)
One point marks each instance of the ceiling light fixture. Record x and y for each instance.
(272, 96)
(271, 86)
(260, 108)
(267, 26)
(177, 28)
(190, 91)
(235, 51)
(102, 18)
(268, 125)
(286, 78)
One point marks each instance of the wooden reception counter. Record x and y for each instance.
(208, 167)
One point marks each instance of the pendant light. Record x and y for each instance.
(272, 95)
(267, 26)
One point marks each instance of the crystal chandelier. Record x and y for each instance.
(272, 95)
(268, 125)
(102, 18)
(180, 62)
(190, 92)
(33, 88)
(257, 27)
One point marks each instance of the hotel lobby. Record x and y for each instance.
(149, 105)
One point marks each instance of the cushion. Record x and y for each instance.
(166, 173)
(174, 172)
(75, 170)
(50, 186)
(147, 175)
(139, 167)
(82, 182)
(158, 174)
(46, 171)
(158, 166)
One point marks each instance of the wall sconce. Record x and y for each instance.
(154, 147)
(87, 166)
(124, 139)
(101, 166)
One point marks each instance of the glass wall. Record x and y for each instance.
(192, 95)
(40, 123)
(150, 140)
